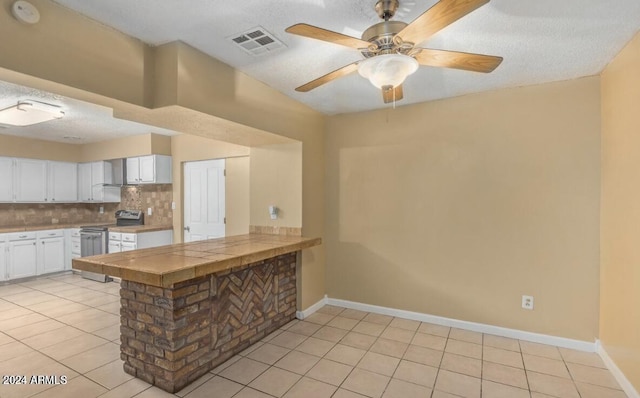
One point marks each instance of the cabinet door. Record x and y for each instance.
(6, 180)
(51, 255)
(3, 260)
(133, 170)
(84, 182)
(31, 180)
(97, 181)
(114, 247)
(63, 182)
(22, 258)
(147, 169)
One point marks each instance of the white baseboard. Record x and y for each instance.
(617, 373)
(473, 326)
(483, 328)
(315, 307)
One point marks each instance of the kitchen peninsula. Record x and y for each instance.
(188, 307)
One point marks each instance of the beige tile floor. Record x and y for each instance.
(65, 325)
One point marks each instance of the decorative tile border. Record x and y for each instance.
(269, 230)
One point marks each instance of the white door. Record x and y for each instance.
(204, 206)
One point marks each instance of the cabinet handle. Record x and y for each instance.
(34, 243)
(52, 234)
(22, 236)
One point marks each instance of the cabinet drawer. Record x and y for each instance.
(53, 233)
(128, 246)
(129, 237)
(22, 236)
(115, 236)
(75, 233)
(75, 247)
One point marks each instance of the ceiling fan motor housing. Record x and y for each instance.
(386, 9)
(383, 39)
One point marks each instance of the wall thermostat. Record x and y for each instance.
(25, 12)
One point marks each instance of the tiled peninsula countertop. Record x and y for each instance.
(165, 266)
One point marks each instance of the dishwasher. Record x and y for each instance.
(93, 241)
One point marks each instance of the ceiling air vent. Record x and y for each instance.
(257, 41)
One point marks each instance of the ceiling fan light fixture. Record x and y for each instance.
(387, 69)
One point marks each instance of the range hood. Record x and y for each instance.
(115, 173)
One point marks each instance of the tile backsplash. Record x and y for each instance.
(158, 197)
(33, 214)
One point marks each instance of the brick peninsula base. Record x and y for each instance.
(172, 336)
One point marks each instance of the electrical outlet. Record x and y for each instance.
(173, 205)
(527, 302)
(149, 211)
(101, 211)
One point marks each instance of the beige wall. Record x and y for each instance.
(75, 51)
(459, 207)
(137, 145)
(187, 148)
(19, 147)
(620, 209)
(237, 195)
(276, 180)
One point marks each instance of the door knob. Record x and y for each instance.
(188, 229)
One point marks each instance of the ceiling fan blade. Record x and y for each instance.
(458, 60)
(390, 94)
(345, 70)
(441, 15)
(313, 32)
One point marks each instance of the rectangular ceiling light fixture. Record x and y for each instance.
(28, 112)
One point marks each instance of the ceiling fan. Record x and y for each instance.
(390, 51)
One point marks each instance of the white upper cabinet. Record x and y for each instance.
(152, 169)
(31, 180)
(63, 182)
(6, 180)
(84, 182)
(92, 178)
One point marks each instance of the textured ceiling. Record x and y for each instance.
(540, 40)
(83, 122)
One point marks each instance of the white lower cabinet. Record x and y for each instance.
(22, 261)
(72, 236)
(50, 246)
(124, 242)
(4, 254)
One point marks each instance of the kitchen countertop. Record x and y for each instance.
(136, 229)
(130, 229)
(166, 265)
(4, 230)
